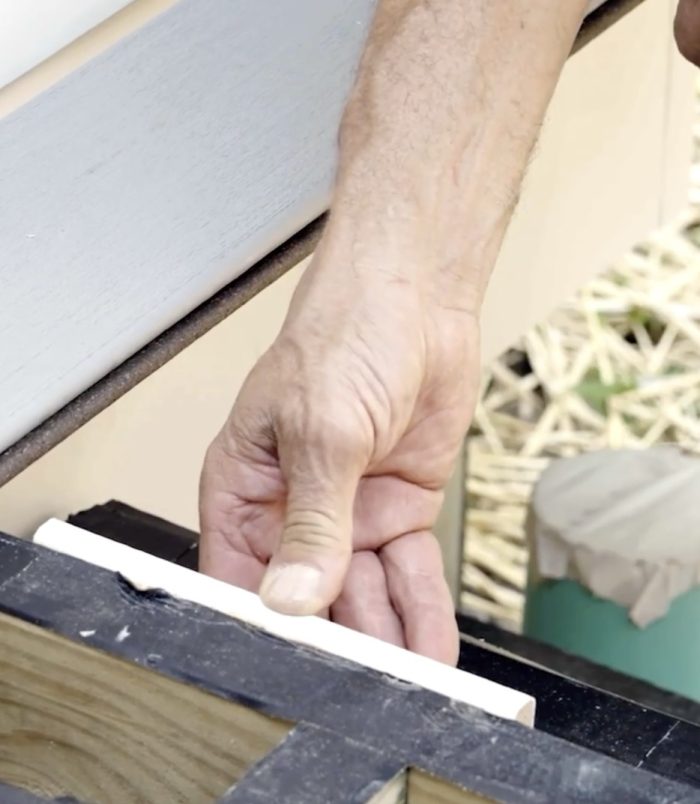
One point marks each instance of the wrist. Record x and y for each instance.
(395, 244)
(357, 278)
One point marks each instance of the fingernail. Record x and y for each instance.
(292, 589)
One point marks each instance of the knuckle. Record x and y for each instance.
(336, 429)
(333, 430)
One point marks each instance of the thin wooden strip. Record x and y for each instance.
(662, 348)
(542, 432)
(146, 572)
(476, 579)
(525, 462)
(490, 433)
(510, 511)
(490, 524)
(499, 562)
(514, 491)
(504, 474)
(494, 611)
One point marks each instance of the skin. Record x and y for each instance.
(322, 487)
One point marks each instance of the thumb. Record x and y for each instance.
(322, 468)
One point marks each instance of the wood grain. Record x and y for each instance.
(75, 721)
(426, 789)
(393, 792)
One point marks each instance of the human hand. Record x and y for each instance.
(323, 486)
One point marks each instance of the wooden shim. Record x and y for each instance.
(146, 572)
(493, 611)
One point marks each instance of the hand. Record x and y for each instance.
(323, 486)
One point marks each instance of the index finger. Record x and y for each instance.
(420, 595)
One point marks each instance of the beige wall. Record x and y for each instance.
(612, 161)
(612, 164)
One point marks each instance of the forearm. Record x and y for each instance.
(437, 133)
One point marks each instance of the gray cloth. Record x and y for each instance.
(623, 523)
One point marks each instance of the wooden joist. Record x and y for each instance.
(74, 720)
(172, 701)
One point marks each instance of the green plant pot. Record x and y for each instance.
(665, 653)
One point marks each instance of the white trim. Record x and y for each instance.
(145, 571)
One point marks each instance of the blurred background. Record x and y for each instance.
(616, 366)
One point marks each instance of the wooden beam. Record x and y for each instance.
(424, 788)
(75, 721)
(66, 600)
